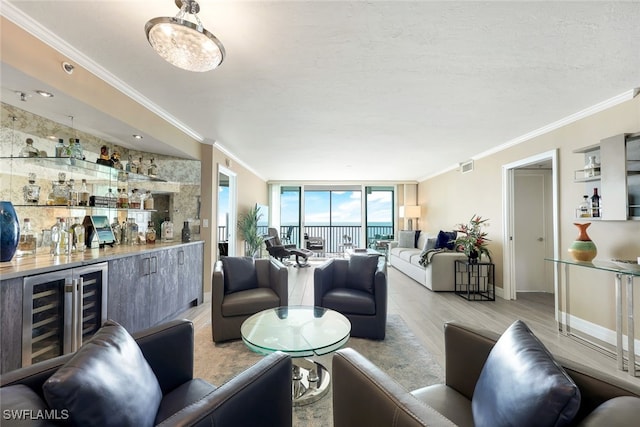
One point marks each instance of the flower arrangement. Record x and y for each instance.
(472, 240)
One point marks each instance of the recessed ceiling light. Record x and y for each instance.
(137, 136)
(44, 93)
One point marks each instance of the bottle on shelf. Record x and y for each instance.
(124, 233)
(27, 243)
(127, 167)
(148, 201)
(29, 150)
(166, 230)
(60, 152)
(186, 232)
(60, 190)
(117, 230)
(584, 209)
(151, 234)
(142, 169)
(595, 204)
(31, 191)
(134, 200)
(132, 231)
(59, 237)
(123, 198)
(76, 149)
(134, 165)
(111, 198)
(73, 193)
(83, 194)
(77, 234)
(152, 169)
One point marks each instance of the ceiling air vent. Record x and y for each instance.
(466, 166)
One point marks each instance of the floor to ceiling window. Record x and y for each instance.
(290, 215)
(379, 214)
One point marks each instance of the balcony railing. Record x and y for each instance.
(333, 235)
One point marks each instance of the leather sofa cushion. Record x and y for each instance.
(448, 402)
(620, 411)
(18, 398)
(349, 301)
(249, 302)
(108, 379)
(239, 274)
(522, 385)
(361, 273)
(185, 395)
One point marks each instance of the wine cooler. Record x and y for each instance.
(62, 309)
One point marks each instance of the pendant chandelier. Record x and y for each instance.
(185, 44)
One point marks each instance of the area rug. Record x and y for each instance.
(400, 355)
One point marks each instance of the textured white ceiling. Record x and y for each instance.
(355, 90)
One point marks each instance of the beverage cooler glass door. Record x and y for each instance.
(61, 309)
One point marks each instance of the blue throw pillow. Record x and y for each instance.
(522, 385)
(446, 240)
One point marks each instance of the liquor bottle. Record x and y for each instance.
(151, 234)
(134, 165)
(186, 232)
(584, 207)
(148, 201)
(31, 191)
(123, 198)
(117, 230)
(60, 148)
(60, 190)
(132, 231)
(166, 230)
(76, 149)
(27, 242)
(152, 169)
(59, 237)
(134, 200)
(29, 150)
(77, 235)
(111, 198)
(73, 193)
(83, 194)
(595, 204)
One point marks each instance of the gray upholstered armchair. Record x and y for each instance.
(357, 288)
(242, 287)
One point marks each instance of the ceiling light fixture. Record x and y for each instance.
(185, 44)
(136, 136)
(44, 93)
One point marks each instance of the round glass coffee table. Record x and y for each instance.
(302, 332)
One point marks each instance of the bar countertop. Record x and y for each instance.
(42, 262)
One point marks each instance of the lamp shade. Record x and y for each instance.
(411, 211)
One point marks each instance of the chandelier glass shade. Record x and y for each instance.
(185, 44)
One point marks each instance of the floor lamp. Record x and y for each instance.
(410, 212)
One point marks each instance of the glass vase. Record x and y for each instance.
(9, 231)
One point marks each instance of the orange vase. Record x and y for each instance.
(583, 248)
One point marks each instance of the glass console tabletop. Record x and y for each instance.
(621, 267)
(299, 331)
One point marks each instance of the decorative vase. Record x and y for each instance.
(473, 257)
(9, 231)
(583, 248)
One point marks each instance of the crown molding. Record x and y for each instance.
(31, 26)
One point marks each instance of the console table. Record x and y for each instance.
(475, 281)
(620, 272)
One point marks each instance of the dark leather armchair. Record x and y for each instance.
(185, 401)
(364, 395)
(242, 287)
(283, 252)
(357, 288)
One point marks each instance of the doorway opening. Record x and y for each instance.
(530, 189)
(226, 212)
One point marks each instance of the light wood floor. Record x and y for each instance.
(425, 313)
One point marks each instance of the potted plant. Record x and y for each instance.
(248, 228)
(472, 240)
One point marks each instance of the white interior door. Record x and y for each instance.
(531, 231)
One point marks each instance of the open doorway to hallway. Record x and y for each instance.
(531, 225)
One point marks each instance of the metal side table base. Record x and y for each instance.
(310, 381)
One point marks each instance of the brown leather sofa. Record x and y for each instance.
(184, 401)
(364, 395)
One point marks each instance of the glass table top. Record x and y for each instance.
(615, 266)
(300, 331)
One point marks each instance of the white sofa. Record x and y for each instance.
(439, 274)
